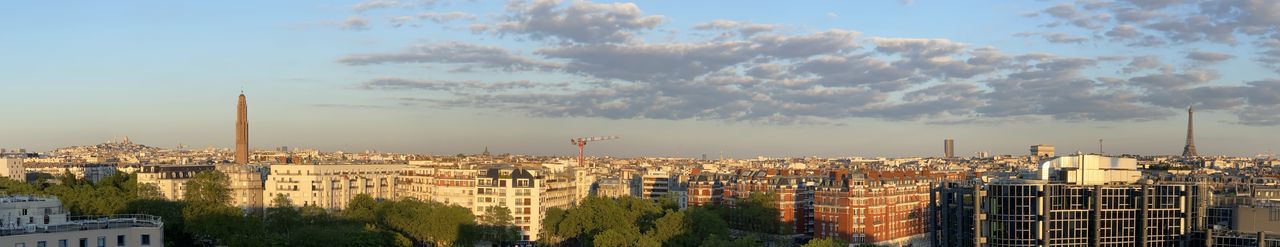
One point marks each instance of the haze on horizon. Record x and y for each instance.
(857, 78)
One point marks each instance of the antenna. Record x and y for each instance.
(1100, 146)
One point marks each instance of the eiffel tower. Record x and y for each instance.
(1190, 149)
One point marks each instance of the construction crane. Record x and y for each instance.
(582, 144)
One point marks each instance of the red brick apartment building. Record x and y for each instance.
(793, 190)
(873, 207)
(704, 189)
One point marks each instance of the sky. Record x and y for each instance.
(671, 78)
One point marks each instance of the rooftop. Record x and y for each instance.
(84, 223)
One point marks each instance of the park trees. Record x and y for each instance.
(497, 226)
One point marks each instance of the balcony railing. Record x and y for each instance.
(90, 222)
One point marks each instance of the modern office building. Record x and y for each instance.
(27, 221)
(655, 184)
(330, 186)
(1081, 200)
(949, 148)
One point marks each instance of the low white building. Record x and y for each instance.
(28, 221)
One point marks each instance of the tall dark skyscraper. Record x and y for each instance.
(242, 131)
(949, 148)
(1190, 149)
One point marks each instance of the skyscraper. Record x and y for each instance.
(242, 131)
(949, 148)
(1190, 149)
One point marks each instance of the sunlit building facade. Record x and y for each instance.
(331, 186)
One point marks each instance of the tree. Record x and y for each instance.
(170, 212)
(624, 237)
(208, 187)
(550, 226)
(362, 208)
(722, 241)
(825, 242)
(756, 213)
(496, 224)
(14, 187)
(149, 191)
(431, 222)
(596, 215)
(282, 216)
(209, 217)
(669, 226)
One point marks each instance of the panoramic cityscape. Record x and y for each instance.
(443, 123)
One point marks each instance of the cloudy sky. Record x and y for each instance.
(672, 78)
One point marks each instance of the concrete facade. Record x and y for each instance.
(12, 168)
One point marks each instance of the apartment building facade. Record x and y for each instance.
(331, 186)
(874, 207)
(526, 192)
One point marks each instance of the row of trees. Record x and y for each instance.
(628, 221)
(204, 217)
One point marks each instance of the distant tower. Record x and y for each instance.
(1190, 149)
(486, 151)
(242, 131)
(949, 148)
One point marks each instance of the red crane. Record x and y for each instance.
(582, 143)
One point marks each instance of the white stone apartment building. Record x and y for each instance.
(448, 185)
(245, 181)
(246, 184)
(527, 192)
(331, 186)
(171, 180)
(91, 172)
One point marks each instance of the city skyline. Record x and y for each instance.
(814, 79)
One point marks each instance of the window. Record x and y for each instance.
(84, 242)
(20, 244)
(120, 240)
(146, 239)
(42, 244)
(62, 243)
(102, 241)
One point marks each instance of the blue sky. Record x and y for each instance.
(673, 78)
